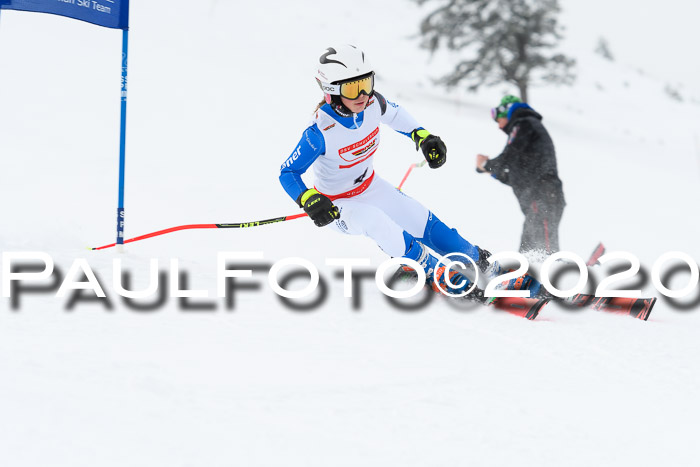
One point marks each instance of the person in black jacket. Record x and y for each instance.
(528, 164)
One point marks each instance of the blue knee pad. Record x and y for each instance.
(416, 252)
(413, 249)
(455, 284)
(444, 240)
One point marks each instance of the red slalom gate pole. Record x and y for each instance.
(233, 225)
(408, 172)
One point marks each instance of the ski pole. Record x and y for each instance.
(408, 172)
(232, 225)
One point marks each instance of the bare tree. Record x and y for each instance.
(603, 49)
(503, 40)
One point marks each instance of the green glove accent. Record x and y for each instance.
(418, 136)
(319, 207)
(308, 194)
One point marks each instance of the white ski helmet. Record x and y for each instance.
(341, 63)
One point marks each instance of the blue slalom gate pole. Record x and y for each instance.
(114, 15)
(122, 140)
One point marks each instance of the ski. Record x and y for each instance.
(639, 308)
(636, 307)
(595, 256)
(528, 308)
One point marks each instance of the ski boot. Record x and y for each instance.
(435, 275)
(456, 285)
(489, 270)
(524, 282)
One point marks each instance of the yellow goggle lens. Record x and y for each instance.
(354, 89)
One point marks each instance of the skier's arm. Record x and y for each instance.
(396, 117)
(399, 119)
(310, 147)
(518, 141)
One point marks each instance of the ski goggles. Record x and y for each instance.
(352, 89)
(500, 111)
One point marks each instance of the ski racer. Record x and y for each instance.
(528, 164)
(340, 144)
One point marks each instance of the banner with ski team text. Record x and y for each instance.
(107, 13)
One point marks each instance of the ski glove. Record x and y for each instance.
(434, 150)
(319, 207)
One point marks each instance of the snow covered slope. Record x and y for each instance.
(218, 97)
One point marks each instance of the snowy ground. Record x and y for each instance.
(262, 385)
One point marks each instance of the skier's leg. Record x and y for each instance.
(435, 273)
(424, 225)
(404, 210)
(444, 240)
(358, 218)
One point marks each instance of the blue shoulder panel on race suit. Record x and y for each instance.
(310, 147)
